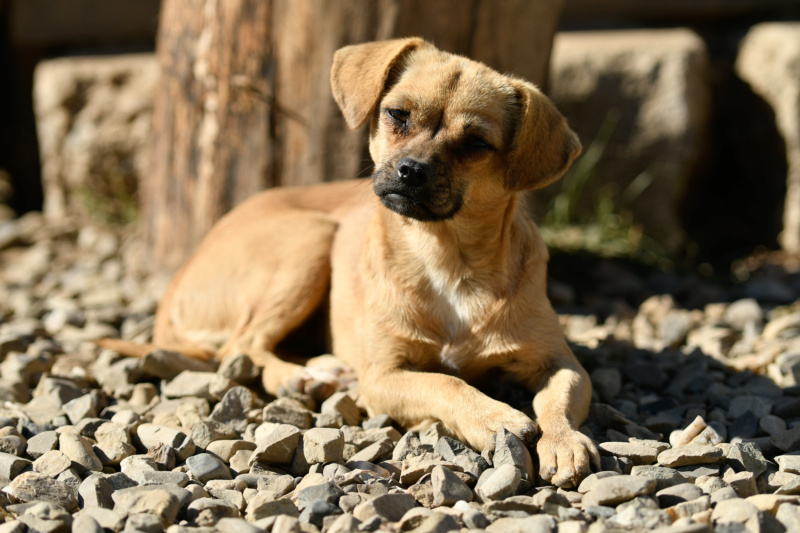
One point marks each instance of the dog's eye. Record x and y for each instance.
(400, 116)
(475, 143)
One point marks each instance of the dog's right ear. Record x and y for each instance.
(359, 74)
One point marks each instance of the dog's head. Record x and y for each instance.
(443, 126)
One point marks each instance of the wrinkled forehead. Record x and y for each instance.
(464, 92)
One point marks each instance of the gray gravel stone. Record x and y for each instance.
(322, 445)
(96, 491)
(263, 506)
(676, 494)
(510, 450)
(46, 517)
(206, 512)
(288, 411)
(665, 477)
(342, 404)
(390, 507)
(86, 524)
(163, 502)
(11, 465)
(498, 483)
(32, 486)
(691, 454)
(39, 444)
(52, 463)
(616, 489)
(448, 488)
(205, 467)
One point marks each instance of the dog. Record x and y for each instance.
(432, 279)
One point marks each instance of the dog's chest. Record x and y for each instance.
(457, 311)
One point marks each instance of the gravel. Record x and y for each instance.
(696, 412)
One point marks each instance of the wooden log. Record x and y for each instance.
(245, 99)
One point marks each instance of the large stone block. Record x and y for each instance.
(93, 120)
(769, 60)
(655, 83)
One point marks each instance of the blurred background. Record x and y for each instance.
(163, 114)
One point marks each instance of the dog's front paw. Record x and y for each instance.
(483, 430)
(320, 385)
(565, 456)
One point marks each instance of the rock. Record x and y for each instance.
(509, 449)
(676, 494)
(32, 486)
(734, 510)
(156, 436)
(11, 465)
(207, 385)
(767, 60)
(787, 441)
(691, 454)
(261, 506)
(499, 483)
(744, 483)
(225, 449)
(161, 503)
(665, 477)
(95, 491)
(81, 146)
(326, 492)
(317, 512)
(742, 313)
(288, 411)
(745, 456)
(342, 404)
(52, 463)
(638, 451)
(390, 507)
(87, 524)
(789, 463)
(637, 73)
(42, 443)
(80, 451)
(616, 489)
(416, 466)
(374, 452)
(206, 512)
(408, 445)
(448, 488)
(46, 517)
(278, 447)
(234, 408)
(205, 467)
(322, 445)
(273, 487)
(607, 382)
(757, 405)
(531, 524)
(166, 364)
(239, 368)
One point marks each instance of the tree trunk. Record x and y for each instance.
(244, 102)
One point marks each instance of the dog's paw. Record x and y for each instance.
(318, 384)
(565, 457)
(484, 429)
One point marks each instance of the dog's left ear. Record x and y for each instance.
(359, 74)
(544, 146)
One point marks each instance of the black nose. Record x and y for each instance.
(412, 172)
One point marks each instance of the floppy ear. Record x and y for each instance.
(544, 146)
(359, 74)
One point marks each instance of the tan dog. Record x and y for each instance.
(434, 279)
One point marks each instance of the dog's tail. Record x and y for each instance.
(139, 349)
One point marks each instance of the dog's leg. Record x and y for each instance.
(563, 394)
(411, 397)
